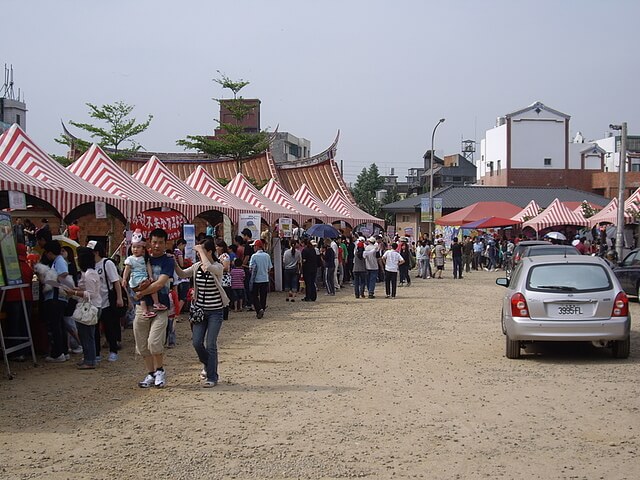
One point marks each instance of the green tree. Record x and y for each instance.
(367, 184)
(119, 128)
(234, 142)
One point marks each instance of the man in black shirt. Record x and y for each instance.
(456, 255)
(309, 271)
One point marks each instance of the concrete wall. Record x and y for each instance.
(12, 111)
(533, 140)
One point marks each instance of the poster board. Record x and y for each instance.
(252, 221)
(286, 227)
(189, 237)
(12, 275)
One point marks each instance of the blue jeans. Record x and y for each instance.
(88, 342)
(208, 355)
(372, 277)
(457, 267)
(359, 281)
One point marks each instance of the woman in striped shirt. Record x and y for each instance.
(211, 297)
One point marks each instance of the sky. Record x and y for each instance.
(381, 72)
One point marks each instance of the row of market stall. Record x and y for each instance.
(95, 177)
(483, 215)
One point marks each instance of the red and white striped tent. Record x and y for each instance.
(305, 196)
(243, 189)
(274, 191)
(155, 175)
(339, 202)
(204, 183)
(609, 214)
(20, 152)
(531, 210)
(633, 202)
(555, 215)
(97, 168)
(14, 180)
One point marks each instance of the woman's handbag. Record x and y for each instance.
(226, 279)
(196, 313)
(85, 313)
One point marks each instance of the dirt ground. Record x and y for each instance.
(416, 387)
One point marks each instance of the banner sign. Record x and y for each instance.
(425, 210)
(408, 231)
(10, 266)
(17, 200)
(170, 222)
(190, 238)
(286, 227)
(437, 208)
(101, 209)
(391, 230)
(252, 222)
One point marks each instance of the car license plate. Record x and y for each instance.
(563, 310)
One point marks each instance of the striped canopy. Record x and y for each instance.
(20, 152)
(243, 189)
(274, 191)
(155, 175)
(555, 215)
(12, 179)
(609, 214)
(204, 183)
(97, 168)
(531, 210)
(339, 202)
(305, 196)
(633, 202)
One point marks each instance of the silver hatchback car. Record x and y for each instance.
(565, 298)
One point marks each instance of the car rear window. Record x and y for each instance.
(568, 277)
(542, 250)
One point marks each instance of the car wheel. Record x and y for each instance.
(512, 348)
(621, 348)
(638, 292)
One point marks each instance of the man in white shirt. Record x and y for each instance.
(392, 260)
(336, 250)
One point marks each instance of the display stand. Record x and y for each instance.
(28, 341)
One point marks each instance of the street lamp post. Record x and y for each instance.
(623, 167)
(431, 211)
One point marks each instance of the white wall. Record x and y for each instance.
(494, 148)
(534, 140)
(611, 158)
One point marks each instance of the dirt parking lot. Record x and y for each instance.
(416, 387)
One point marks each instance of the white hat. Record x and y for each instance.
(361, 239)
(372, 239)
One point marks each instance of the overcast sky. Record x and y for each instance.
(381, 72)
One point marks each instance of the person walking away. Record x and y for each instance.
(491, 256)
(291, 262)
(247, 252)
(260, 266)
(111, 294)
(359, 269)
(149, 333)
(336, 269)
(328, 258)
(439, 253)
(137, 273)
(467, 253)
(403, 268)
(348, 275)
(478, 249)
(456, 257)
(371, 262)
(309, 271)
(392, 261)
(73, 231)
(237, 284)
(16, 320)
(88, 289)
(210, 296)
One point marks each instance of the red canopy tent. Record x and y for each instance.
(478, 211)
(273, 191)
(555, 215)
(305, 196)
(339, 202)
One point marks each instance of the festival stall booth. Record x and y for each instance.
(274, 191)
(451, 225)
(337, 201)
(305, 196)
(155, 175)
(531, 210)
(556, 215)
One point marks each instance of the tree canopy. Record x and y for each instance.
(364, 190)
(119, 128)
(232, 141)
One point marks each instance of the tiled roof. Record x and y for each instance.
(456, 197)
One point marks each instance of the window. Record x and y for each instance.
(405, 218)
(18, 119)
(294, 150)
(547, 162)
(499, 166)
(491, 169)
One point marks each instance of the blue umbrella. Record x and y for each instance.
(323, 230)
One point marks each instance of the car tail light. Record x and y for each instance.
(620, 305)
(519, 306)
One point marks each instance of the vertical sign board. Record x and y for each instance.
(12, 275)
(437, 208)
(286, 227)
(252, 222)
(101, 210)
(190, 238)
(425, 210)
(17, 200)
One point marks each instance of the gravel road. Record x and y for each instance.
(416, 387)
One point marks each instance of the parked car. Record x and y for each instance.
(548, 249)
(517, 253)
(558, 298)
(628, 273)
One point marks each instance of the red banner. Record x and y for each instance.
(170, 222)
